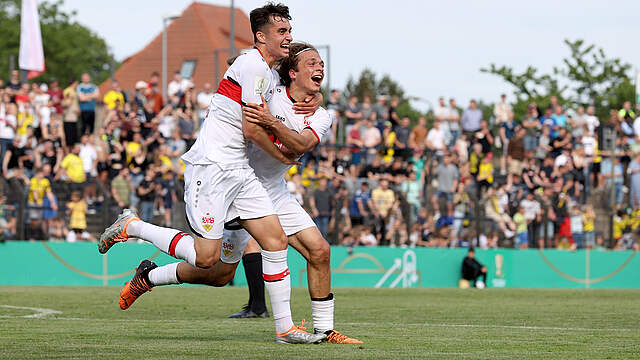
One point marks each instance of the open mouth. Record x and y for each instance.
(317, 79)
(285, 47)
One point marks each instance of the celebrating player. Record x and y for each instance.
(302, 73)
(219, 180)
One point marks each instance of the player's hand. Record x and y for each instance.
(288, 161)
(309, 105)
(260, 114)
(288, 153)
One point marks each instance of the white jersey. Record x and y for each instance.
(221, 140)
(270, 171)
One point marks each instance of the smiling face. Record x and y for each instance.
(309, 73)
(276, 36)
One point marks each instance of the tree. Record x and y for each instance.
(586, 77)
(368, 84)
(70, 49)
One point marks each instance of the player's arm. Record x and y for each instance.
(259, 115)
(296, 143)
(259, 136)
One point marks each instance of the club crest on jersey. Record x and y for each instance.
(260, 85)
(207, 222)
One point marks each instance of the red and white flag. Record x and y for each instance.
(31, 53)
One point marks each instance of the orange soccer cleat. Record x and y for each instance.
(138, 285)
(337, 338)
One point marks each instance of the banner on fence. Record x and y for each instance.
(46, 263)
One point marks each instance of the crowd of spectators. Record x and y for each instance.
(455, 179)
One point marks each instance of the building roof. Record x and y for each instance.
(200, 29)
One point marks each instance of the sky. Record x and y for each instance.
(432, 48)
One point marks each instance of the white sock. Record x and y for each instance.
(164, 275)
(278, 283)
(170, 241)
(322, 313)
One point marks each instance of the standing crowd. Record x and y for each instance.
(457, 179)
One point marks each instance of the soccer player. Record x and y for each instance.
(219, 180)
(302, 73)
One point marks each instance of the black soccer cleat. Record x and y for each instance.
(247, 313)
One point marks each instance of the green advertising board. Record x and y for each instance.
(46, 263)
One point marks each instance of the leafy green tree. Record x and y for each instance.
(586, 77)
(70, 48)
(368, 84)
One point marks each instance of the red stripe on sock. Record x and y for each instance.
(276, 277)
(174, 242)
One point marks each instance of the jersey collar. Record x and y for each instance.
(289, 96)
(255, 47)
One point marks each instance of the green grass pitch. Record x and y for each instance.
(190, 322)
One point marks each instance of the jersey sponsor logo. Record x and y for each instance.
(207, 222)
(281, 118)
(307, 122)
(259, 85)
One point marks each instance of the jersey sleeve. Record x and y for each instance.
(320, 124)
(255, 80)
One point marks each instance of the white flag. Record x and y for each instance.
(31, 53)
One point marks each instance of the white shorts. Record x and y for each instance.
(293, 219)
(210, 192)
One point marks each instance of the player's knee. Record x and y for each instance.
(281, 242)
(322, 253)
(206, 261)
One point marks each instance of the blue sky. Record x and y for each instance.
(431, 48)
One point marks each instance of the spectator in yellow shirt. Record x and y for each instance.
(39, 187)
(72, 167)
(77, 212)
(588, 221)
(383, 198)
(113, 98)
(485, 173)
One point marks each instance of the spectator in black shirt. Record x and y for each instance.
(147, 193)
(472, 269)
(402, 138)
(322, 203)
(393, 113)
(342, 163)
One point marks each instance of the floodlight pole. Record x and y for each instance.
(232, 31)
(165, 19)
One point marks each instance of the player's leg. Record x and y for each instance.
(255, 208)
(269, 235)
(149, 275)
(306, 238)
(209, 192)
(252, 262)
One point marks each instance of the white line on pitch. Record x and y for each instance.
(39, 312)
(522, 327)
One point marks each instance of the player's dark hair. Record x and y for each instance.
(290, 62)
(262, 16)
